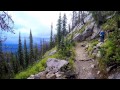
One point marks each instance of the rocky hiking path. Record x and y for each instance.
(85, 67)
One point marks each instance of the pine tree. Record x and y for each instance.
(12, 64)
(20, 52)
(26, 54)
(1, 62)
(17, 67)
(69, 29)
(79, 17)
(98, 16)
(82, 17)
(64, 22)
(73, 19)
(43, 46)
(51, 37)
(31, 48)
(41, 49)
(59, 32)
(1, 52)
(76, 18)
(36, 51)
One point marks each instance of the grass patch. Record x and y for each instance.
(94, 43)
(102, 68)
(91, 45)
(108, 50)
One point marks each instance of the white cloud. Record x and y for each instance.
(38, 21)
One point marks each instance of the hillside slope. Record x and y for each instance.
(92, 58)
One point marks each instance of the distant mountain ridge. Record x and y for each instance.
(13, 47)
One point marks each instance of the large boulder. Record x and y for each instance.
(76, 28)
(96, 32)
(59, 74)
(55, 65)
(40, 75)
(88, 31)
(78, 37)
(88, 18)
(50, 75)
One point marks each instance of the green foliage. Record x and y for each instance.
(99, 16)
(35, 68)
(110, 54)
(20, 52)
(71, 64)
(36, 52)
(26, 58)
(51, 37)
(59, 28)
(102, 67)
(91, 45)
(64, 22)
(110, 50)
(110, 24)
(31, 48)
(94, 43)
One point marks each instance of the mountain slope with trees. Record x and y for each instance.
(85, 27)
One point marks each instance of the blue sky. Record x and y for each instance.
(38, 21)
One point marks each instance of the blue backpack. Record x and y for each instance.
(102, 33)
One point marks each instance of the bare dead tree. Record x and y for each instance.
(6, 24)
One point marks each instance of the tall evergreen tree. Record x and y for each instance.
(2, 63)
(73, 19)
(43, 46)
(13, 63)
(26, 54)
(79, 17)
(1, 52)
(31, 48)
(51, 37)
(20, 52)
(69, 29)
(41, 50)
(59, 32)
(36, 51)
(82, 17)
(76, 18)
(64, 22)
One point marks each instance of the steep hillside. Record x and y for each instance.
(84, 56)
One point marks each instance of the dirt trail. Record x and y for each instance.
(84, 65)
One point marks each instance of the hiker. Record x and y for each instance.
(102, 34)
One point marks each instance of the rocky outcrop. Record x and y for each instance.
(56, 69)
(79, 26)
(88, 18)
(96, 32)
(86, 33)
(77, 37)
